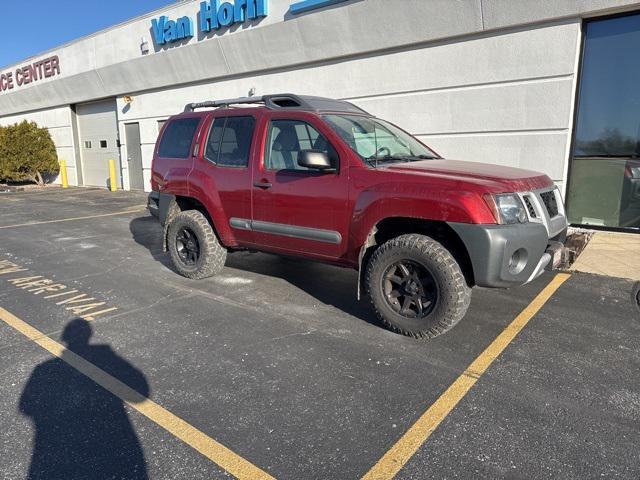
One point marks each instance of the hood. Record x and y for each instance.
(497, 178)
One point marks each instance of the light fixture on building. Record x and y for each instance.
(127, 99)
(144, 46)
(252, 91)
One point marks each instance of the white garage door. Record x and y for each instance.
(98, 132)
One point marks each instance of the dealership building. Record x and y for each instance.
(548, 85)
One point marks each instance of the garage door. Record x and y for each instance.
(98, 132)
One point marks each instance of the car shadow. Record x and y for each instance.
(81, 430)
(328, 284)
(147, 231)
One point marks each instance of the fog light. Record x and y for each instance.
(518, 261)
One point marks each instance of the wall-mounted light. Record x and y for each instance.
(144, 46)
(252, 91)
(127, 99)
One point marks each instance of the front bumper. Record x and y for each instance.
(509, 255)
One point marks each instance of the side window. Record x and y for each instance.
(213, 142)
(229, 141)
(177, 138)
(287, 138)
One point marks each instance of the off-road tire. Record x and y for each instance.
(453, 293)
(212, 255)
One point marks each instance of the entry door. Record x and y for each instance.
(296, 209)
(134, 156)
(98, 132)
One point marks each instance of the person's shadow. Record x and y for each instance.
(82, 431)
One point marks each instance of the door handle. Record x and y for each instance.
(264, 185)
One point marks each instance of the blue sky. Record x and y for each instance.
(33, 26)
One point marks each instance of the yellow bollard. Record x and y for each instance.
(63, 174)
(112, 175)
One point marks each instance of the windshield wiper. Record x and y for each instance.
(405, 158)
(374, 160)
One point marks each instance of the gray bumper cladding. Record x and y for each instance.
(505, 255)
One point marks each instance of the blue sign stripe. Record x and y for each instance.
(306, 5)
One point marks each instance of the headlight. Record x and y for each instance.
(507, 208)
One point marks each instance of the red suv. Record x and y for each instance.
(324, 180)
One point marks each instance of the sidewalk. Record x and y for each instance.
(612, 254)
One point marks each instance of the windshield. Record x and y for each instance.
(376, 141)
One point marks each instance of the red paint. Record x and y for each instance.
(351, 201)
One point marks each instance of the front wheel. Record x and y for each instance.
(193, 246)
(416, 286)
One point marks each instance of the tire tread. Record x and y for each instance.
(460, 292)
(213, 254)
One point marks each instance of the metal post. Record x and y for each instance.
(112, 175)
(63, 174)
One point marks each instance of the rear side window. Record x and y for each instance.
(177, 138)
(229, 141)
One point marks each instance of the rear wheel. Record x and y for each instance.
(193, 246)
(416, 286)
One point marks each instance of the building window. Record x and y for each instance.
(604, 185)
(87, 144)
(161, 124)
(103, 144)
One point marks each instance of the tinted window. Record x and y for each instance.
(177, 138)
(213, 141)
(608, 120)
(604, 186)
(287, 138)
(229, 141)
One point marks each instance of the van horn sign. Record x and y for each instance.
(45, 68)
(213, 15)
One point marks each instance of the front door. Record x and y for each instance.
(134, 156)
(296, 209)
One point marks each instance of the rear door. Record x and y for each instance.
(221, 176)
(296, 209)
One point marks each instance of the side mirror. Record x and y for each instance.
(315, 160)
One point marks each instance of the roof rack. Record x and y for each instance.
(283, 101)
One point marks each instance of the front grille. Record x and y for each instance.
(530, 208)
(549, 200)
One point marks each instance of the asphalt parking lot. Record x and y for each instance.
(274, 369)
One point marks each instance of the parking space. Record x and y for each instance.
(276, 361)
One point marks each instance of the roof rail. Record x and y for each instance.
(283, 101)
(190, 107)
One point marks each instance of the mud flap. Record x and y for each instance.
(370, 242)
(172, 210)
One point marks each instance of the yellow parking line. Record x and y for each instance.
(123, 212)
(391, 463)
(207, 446)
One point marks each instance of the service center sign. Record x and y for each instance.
(45, 68)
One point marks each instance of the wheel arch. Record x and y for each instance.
(180, 203)
(392, 227)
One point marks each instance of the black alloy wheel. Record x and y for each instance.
(193, 246)
(187, 246)
(416, 286)
(410, 289)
